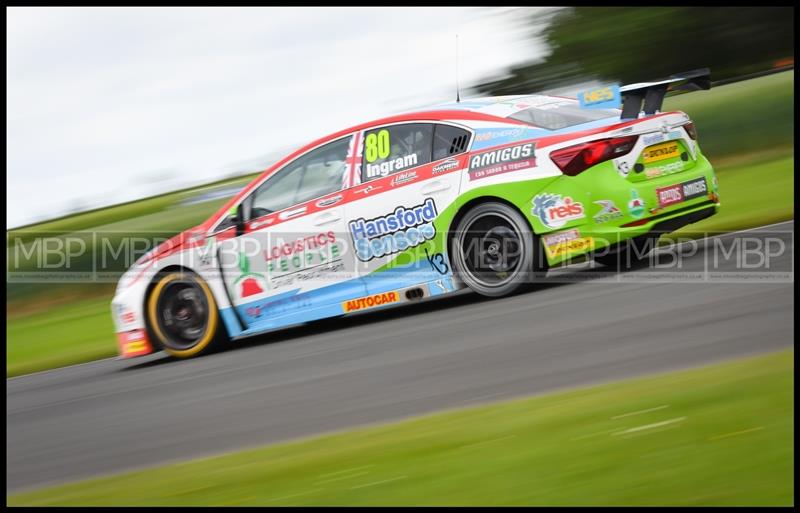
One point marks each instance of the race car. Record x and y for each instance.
(484, 193)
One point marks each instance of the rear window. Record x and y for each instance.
(554, 116)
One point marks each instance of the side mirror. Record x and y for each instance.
(238, 219)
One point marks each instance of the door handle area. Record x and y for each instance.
(438, 185)
(326, 218)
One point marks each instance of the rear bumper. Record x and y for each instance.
(676, 223)
(668, 217)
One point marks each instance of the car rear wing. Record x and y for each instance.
(653, 93)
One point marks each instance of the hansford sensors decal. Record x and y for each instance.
(391, 233)
(503, 160)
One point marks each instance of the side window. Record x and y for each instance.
(314, 174)
(448, 141)
(396, 148)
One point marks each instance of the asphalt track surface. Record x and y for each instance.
(112, 416)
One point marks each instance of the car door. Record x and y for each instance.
(409, 176)
(293, 264)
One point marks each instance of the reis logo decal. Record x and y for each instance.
(554, 211)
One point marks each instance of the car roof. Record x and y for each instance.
(499, 106)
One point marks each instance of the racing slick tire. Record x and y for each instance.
(494, 250)
(632, 254)
(182, 315)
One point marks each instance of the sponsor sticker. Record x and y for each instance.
(554, 211)
(636, 205)
(496, 134)
(653, 139)
(390, 166)
(606, 97)
(562, 243)
(503, 160)
(133, 343)
(262, 222)
(249, 283)
(447, 165)
(608, 212)
(302, 253)
(326, 202)
(661, 152)
(403, 178)
(368, 189)
(288, 214)
(394, 232)
(328, 271)
(374, 300)
(668, 169)
(206, 252)
(681, 192)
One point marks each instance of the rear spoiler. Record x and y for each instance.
(653, 93)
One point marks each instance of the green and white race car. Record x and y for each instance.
(483, 193)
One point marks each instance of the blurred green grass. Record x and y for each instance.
(67, 334)
(746, 129)
(751, 195)
(717, 435)
(746, 117)
(125, 212)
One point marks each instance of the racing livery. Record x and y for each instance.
(484, 193)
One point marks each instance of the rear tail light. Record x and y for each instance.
(691, 130)
(573, 160)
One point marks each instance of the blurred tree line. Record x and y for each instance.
(634, 44)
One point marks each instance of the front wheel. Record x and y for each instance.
(182, 315)
(494, 250)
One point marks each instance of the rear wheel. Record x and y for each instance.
(182, 315)
(493, 250)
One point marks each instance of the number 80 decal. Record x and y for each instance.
(377, 146)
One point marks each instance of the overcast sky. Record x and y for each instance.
(110, 104)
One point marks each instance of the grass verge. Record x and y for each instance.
(77, 332)
(717, 435)
(754, 194)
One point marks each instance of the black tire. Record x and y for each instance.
(494, 250)
(632, 254)
(182, 315)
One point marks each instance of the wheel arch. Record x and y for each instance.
(474, 202)
(155, 278)
(149, 290)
